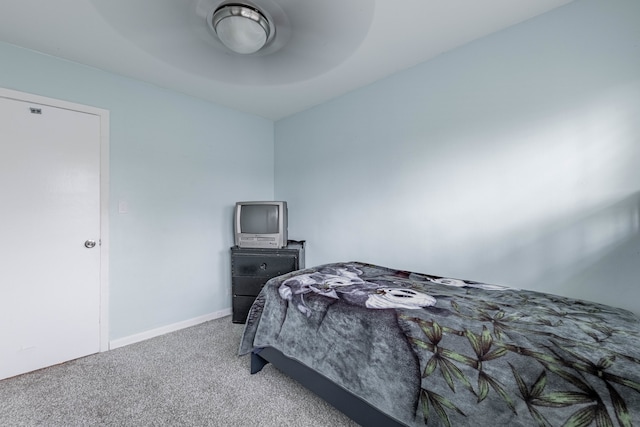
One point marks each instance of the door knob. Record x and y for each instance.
(89, 244)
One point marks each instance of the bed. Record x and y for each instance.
(390, 347)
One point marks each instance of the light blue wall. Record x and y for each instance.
(173, 160)
(512, 160)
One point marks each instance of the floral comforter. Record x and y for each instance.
(429, 350)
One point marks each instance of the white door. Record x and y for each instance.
(49, 208)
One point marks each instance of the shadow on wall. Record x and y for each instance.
(594, 256)
(611, 275)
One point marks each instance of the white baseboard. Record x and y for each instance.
(131, 339)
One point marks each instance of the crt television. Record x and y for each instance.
(260, 224)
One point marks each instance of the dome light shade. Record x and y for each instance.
(242, 28)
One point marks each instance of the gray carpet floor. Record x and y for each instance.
(192, 377)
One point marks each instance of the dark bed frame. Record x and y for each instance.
(351, 405)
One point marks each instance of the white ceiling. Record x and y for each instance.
(317, 55)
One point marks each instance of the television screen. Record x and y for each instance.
(259, 219)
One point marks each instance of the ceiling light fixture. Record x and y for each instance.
(241, 27)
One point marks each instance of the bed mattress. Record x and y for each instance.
(430, 350)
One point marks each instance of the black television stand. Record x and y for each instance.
(251, 268)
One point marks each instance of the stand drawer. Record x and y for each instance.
(262, 266)
(241, 306)
(245, 285)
